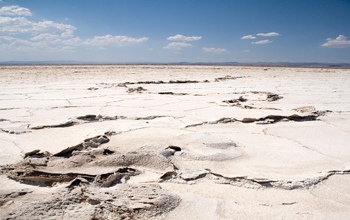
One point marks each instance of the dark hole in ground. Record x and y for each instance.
(175, 148)
(107, 152)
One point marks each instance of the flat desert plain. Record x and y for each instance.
(174, 142)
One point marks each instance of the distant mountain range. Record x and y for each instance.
(296, 64)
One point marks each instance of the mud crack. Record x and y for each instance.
(192, 176)
(270, 119)
(90, 118)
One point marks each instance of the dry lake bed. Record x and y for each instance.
(174, 142)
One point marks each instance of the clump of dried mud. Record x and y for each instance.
(88, 195)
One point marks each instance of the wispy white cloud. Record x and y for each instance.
(47, 36)
(44, 45)
(76, 41)
(180, 37)
(177, 45)
(20, 25)
(339, 42)
(248, 37)
(111, 40)
(15, 10)
(262, 42)
(6, 38)
(214, 50)
(13, 44)
(271, 34)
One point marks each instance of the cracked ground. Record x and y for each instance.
(171, 142)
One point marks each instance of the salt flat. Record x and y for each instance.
(174, 141)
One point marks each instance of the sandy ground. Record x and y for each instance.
(174, 142)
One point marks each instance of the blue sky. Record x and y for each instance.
(175, 30)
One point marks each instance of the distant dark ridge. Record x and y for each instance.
(299, 64)
(91, 62)
(287, 64)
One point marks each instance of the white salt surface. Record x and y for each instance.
(214, 123)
